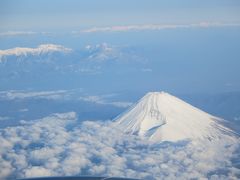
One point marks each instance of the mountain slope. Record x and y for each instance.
(163, 117)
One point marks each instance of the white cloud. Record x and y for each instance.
(23, 110)
(37, 172)
(21, 33)
(59, 145)
(41, 49)
(156, 27)
(237, 118)
(103, 101)
(4, 118)
(147, 70)
(17, 33)
(61, 95)
(17, 94)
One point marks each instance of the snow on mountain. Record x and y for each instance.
(160, 116)
(58, 64)
(102, 52)
(41, 49)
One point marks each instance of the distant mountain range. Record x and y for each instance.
(50, 63)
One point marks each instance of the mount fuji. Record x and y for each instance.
(160, 116)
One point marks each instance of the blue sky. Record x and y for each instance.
(67, 14)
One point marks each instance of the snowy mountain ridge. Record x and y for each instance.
(160, 116)
(41, 49)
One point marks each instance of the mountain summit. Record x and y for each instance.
(160, 116)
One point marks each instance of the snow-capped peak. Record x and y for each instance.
(163, 117)
(41, 49)
(102, 52)
(53, 48)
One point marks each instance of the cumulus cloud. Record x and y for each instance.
(41, 49)
(156, 27)
(59, 145)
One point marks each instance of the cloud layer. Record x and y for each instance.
(156, 27)
(59, 145)
(22, 33)
(103, 101)
(124, 28)
(14, 94)
(17, 33)
(106, 99)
